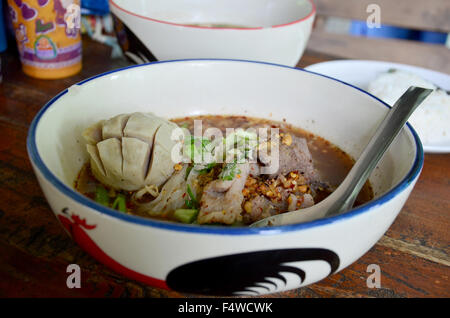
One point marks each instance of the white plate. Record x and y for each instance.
(360, 73)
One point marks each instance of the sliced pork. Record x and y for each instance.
(221, 201)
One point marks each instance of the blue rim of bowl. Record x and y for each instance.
(205, 229)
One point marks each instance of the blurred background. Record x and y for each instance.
(336, 21)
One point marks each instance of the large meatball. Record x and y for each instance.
(130, 151)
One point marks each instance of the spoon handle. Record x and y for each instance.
(377, 146)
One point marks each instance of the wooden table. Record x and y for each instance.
(35, 251)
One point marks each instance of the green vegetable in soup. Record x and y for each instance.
(120, 203)
(191, 203)
(186, 215)
(188, 171)
(207, 168)
(101, 195)
(229, 171)
(195, 148)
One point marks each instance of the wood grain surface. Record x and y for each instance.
(433, 15)
(35, 251)
(432, 56)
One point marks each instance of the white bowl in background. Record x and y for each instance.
(361, 72)
(262, 30)
(216, 260)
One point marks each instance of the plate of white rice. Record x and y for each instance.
(388, 81)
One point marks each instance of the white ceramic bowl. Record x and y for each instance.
(208, 259)
(263, 30)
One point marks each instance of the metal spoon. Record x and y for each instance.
(342, 199)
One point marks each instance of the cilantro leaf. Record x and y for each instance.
(229, 171)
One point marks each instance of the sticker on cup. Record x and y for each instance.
(48, 36)
(44, 48)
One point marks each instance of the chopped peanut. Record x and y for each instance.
(303, 188)
(248, 207)
(287, 184)
(250, 181)
(262, 188)
(301, 179)
(289, 200)
(287, 140)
